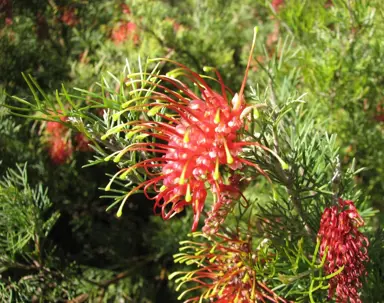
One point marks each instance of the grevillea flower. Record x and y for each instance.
(59, 143)
(125, 9)
(59, 150)
(195, 140)
(82, 143)
(125, 31)
(276, 4)
(55, 128)
(69, 16)
(344, 246)
(225, 271)
(224, 205)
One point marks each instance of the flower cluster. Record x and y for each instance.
(196, 142)
(125, 31)
(226, 271)
(60, 146)
(276, 4)
(69, 17)
(344, 246)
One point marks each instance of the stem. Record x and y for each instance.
(285, 176)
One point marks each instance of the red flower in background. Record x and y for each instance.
(276, 4)
(59, 143)
(6, 8)
(379, 116)
(60, 150)
(126, 31)
(344, 246)
(82, 143)
(69, 17)
(55, 128)
(125, 9)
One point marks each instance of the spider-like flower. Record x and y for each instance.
(225, 271)
(344, 245)
(195, 137)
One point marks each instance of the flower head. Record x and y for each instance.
(345, 246)
(69, 17)
(196, 140)
(125, 31)
(82, 142)
(59, 143)
(59, 150)
(276, 4)
(225, 271)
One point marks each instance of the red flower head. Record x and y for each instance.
(126, 31)
(276, 4)
(82, 143)
(60, 150)
(55, 128)
(229, 194)
(125, 9)
(344, 246)
(198, 138)
(225, 271)
(69, 17)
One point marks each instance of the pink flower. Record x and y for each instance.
(344, 246)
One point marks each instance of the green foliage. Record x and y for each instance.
(316, 106)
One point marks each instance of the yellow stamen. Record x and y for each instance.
(228, 153)
(188, 196)
(246, 278)
(216, 174)
(186, 135)
(163, 188)
(182, 177)
(217, 116)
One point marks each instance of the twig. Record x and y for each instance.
(79, 299)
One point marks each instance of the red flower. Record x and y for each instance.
(82, 143)
(69, 17)
(225, 271)
(126, 9)
(55, 128)
(200, 138)
(59, 150)
(229, 194)
(344, 246)
(57, 138)
(126, 31)
(276, 4)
